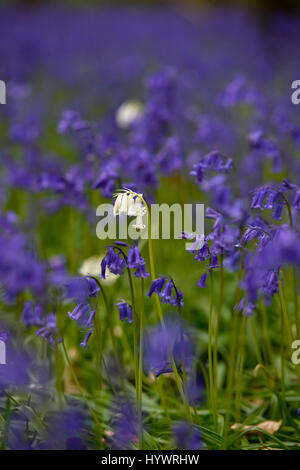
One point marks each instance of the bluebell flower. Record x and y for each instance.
(213, 161)
(125, 425)
(83, 314)
(256, 232)
(187, 436)
(32, 314)
(85, 341)
(170, 158)
(49, 331)
(19, 268)
(80, 289)
(106, 183)
(162, 343)
(203, 279)
(125, 311)
(268, 197)
(296, 201)
(267, 147)
(157, 285)
(66, 429)
(170, 294)
(58, 275)
(113, 261)
(136, 261)
(271, 283)
(246, 308)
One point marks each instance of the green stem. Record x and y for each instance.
(286, 322)
(135, 336)
(151, 259)
(256, 345)
(282, 375)
(216, 333)
(240, 368)
(294, 273)
(98, 331)
(59, 370)
(232, 359)
(210, 356)
(158, 306)
(140, 381)
(265, 334)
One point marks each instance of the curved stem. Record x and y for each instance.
(151, 258)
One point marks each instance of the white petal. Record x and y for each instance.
(117, 205)
(124, 204)
(139, 223)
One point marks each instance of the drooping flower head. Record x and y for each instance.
(130, 203)
(114, 261)
(167, 291)
(125, 311)
(137, 262)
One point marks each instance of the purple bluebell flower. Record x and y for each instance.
(86, 339)
(213, 161)
(58, 275)
(84, 314)
(247, 308)
(162, 343)
(17, 436)
(106, 183)
(125, 425)
(269, 197)
(137, 262)
(187, 436)
(67, 428)
(267, 147)
(170, 158)
(19, 268)
(171, 295)
(113, 261)
(271, 285)
(296, 201)
(49, 331)
(256, 232)
(157, 286)
(168, 292)
(32, 314)
(20, 369)
(203, 279)
(125, 311)
(80, 289)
